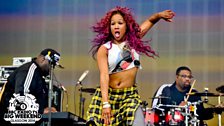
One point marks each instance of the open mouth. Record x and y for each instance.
(117, 34)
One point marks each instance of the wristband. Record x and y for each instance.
(106, 105)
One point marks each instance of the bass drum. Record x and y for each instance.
(154, 117)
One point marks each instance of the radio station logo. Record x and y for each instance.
(23, 110)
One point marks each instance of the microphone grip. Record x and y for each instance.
(79, 83)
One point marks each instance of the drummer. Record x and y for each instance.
(175, 93)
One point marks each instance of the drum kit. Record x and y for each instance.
(172, 115)
(175, 115)
(165, 115)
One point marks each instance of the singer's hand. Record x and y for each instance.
(167, 15)
(106, 115)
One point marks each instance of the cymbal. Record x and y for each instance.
(205, 94)
(217, 110)
(160, 97)
(88, 90)
(220, 89)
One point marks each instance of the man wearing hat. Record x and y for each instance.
(28, 79)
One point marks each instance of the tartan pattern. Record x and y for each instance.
(124, 103)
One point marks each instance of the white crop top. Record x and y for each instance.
(121, 58)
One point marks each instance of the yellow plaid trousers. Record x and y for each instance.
(124, 103)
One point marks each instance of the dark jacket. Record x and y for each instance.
(26, 78)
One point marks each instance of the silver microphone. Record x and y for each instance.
(59, 65)
(82, 77)
(63, 88)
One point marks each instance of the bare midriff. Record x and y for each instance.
(123, 79)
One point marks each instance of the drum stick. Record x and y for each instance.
(190, 91)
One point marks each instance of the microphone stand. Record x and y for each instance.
(81, 102)
(61, 102)
(62, 98)
(219, 114)
(50, 94)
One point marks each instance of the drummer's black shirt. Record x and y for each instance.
(175, 97)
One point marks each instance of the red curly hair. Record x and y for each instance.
(132, 36)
